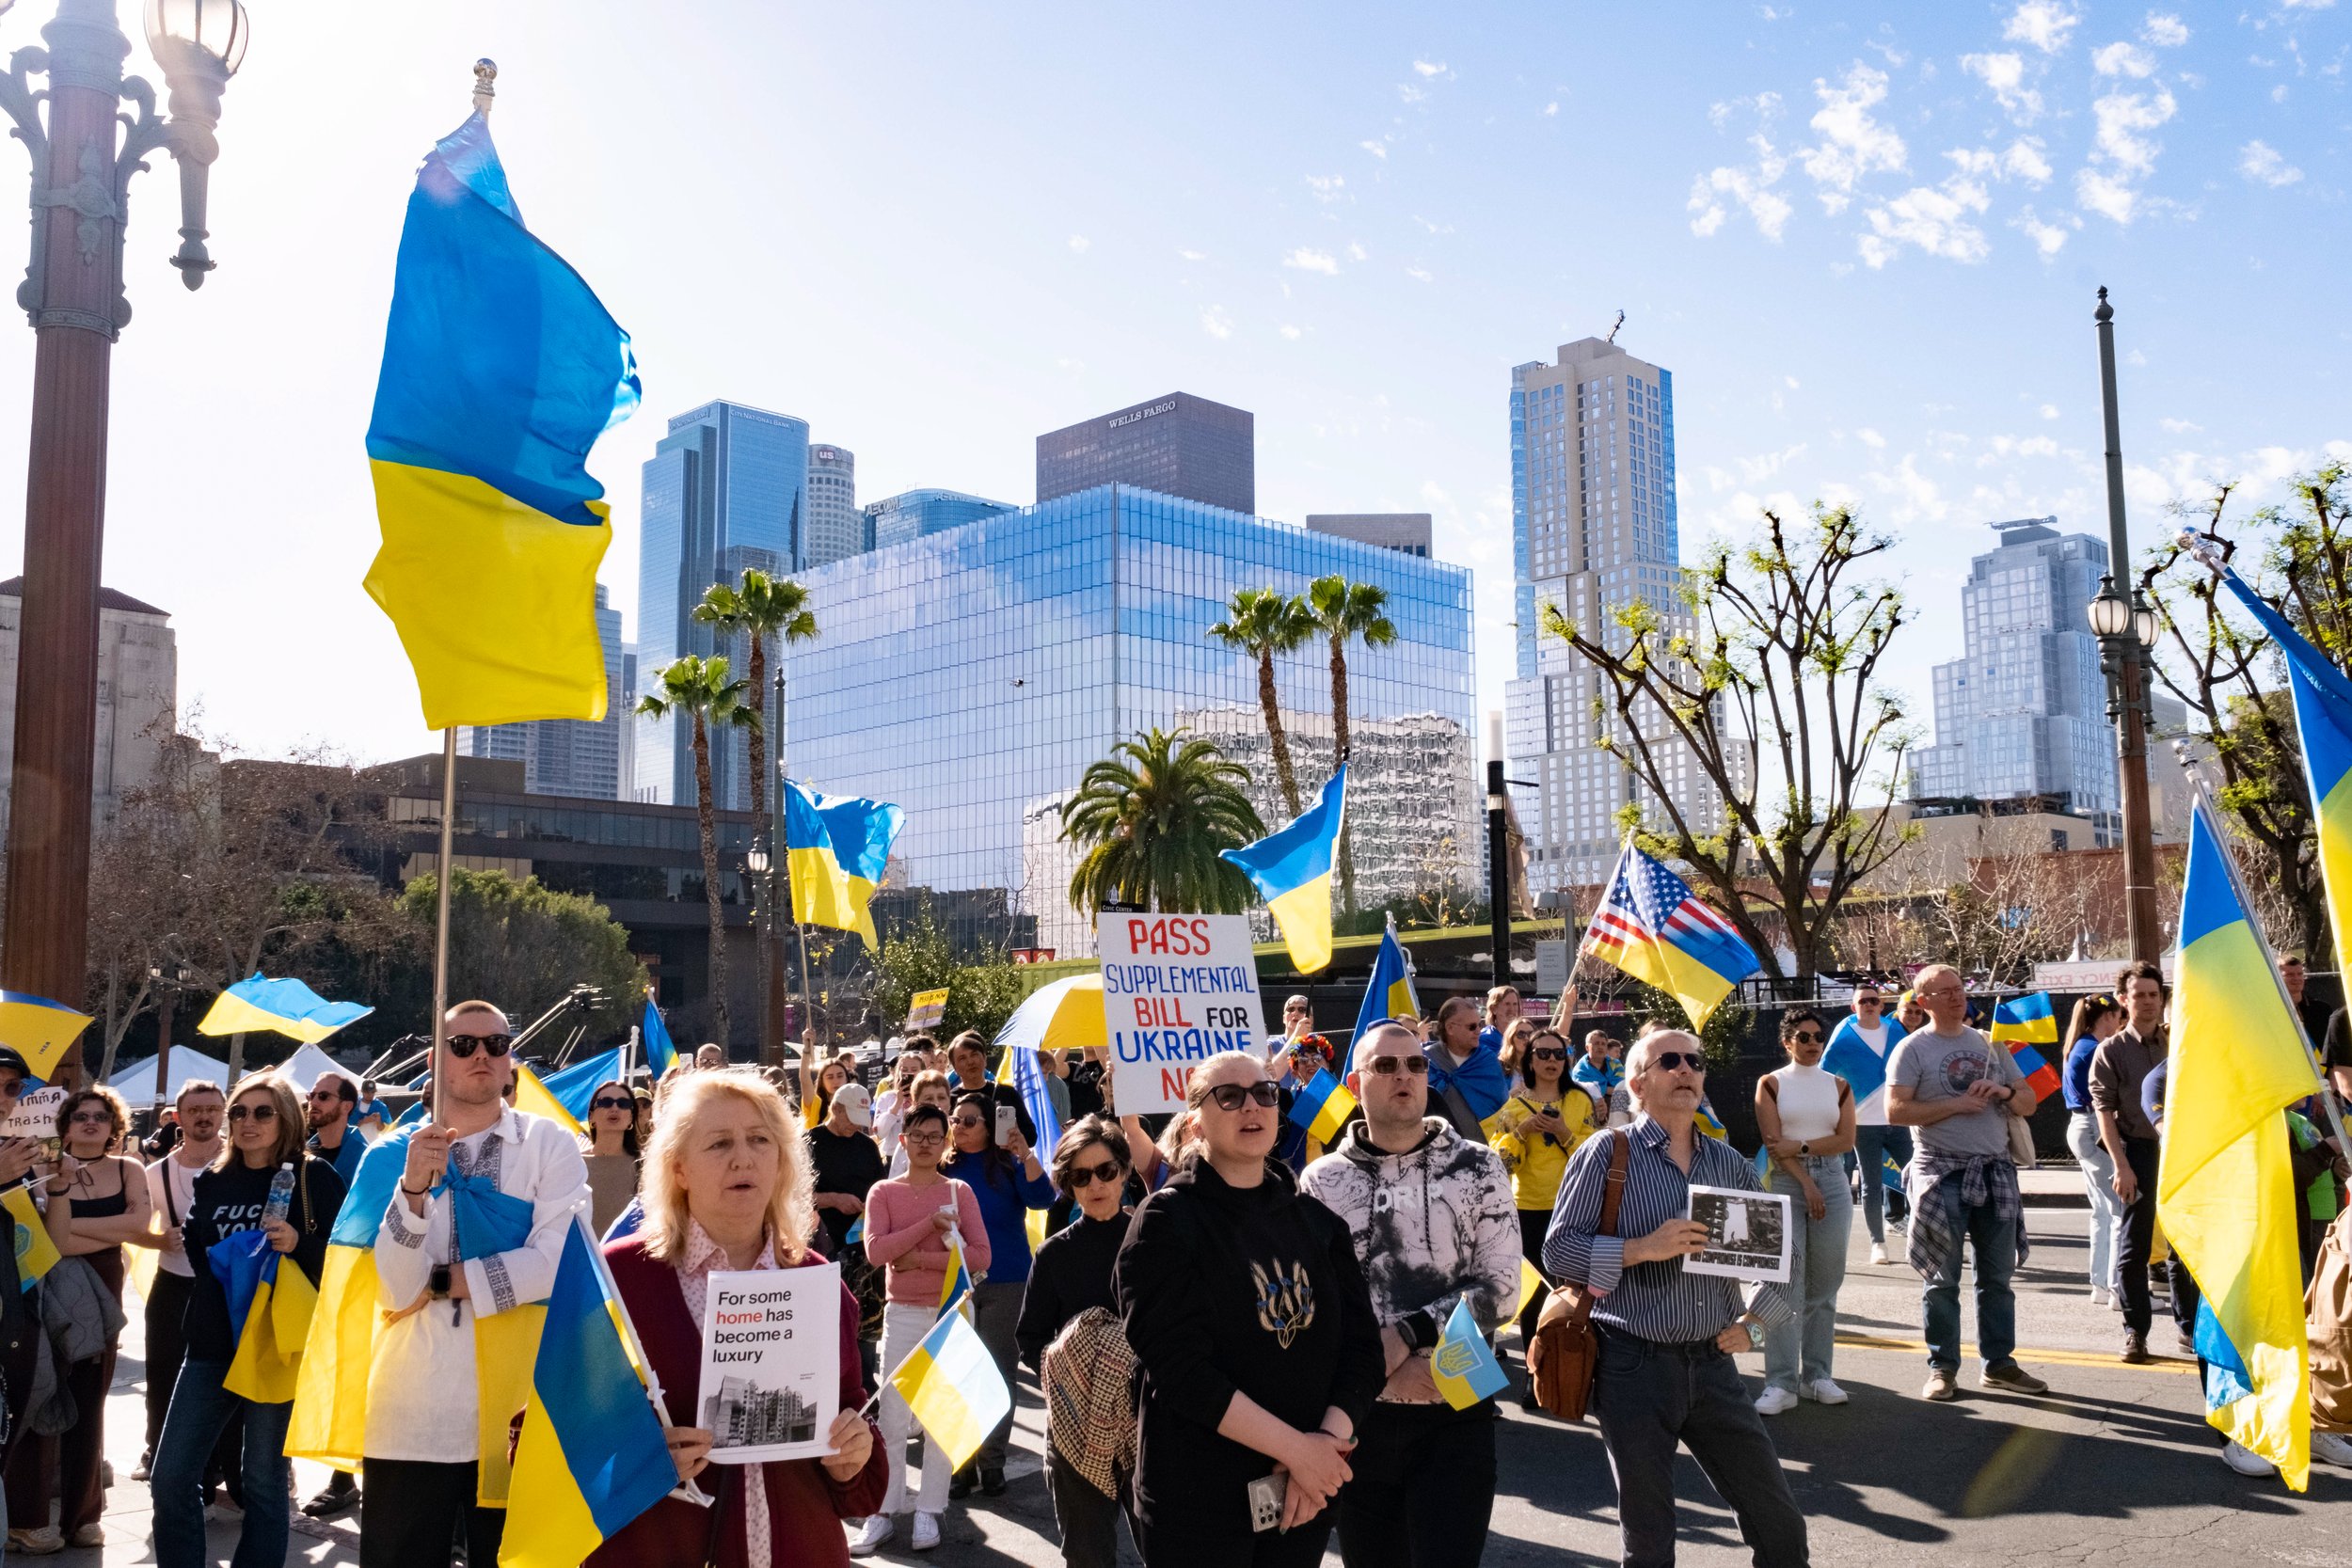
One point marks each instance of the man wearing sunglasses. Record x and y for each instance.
(1434, 1224)
(333, 1106)
(437, 1279)
(1667, 1377)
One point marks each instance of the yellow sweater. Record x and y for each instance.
(1538, 1162)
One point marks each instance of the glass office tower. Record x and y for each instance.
(726, 488)
(1179, 445)
(913, 514)
(971, 675)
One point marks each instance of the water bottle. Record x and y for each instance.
(281, 1187)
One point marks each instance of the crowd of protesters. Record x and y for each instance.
(1219, 1298)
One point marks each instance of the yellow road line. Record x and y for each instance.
(2062, 1357)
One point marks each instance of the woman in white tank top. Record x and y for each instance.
(1806, 1116)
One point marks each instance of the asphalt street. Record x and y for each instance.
(2114, 1465)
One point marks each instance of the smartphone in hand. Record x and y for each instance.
(1005, 1124)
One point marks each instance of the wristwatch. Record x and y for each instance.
(1805, 1148)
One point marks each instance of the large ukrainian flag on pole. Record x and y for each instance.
(501, 370)
(1389, 992)
(1290, 868)
(2225, 1196)
(837, 848)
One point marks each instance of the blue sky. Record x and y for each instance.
(1867, 250)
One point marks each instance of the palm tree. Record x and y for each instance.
(1152, 817)
(1345, 610)
(699, 687)
(759, 608)
(1260, 623)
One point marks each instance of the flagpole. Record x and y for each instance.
(685, 1490)
(440, 915)
(2271, 959)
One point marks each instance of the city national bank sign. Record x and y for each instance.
(1136, 414)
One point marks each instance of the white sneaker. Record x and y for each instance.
(1823, 1391)
(926, 1532)
(2099, 1296)
(2331, 1448)
(1773, 1400)
(2245, 1461)
(1878, 1252)
(874, 1536)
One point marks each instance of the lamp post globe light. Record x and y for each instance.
(98, 130)
(2127, 630)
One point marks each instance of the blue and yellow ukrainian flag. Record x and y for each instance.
(532, 1099)
(1290, 868)
(957, 1286)
(1323, 1108)
(285, 1007)
(2323, 725)
(2021, 1023)
(952, 1384)
(837, 848)
(38, 1030)
(660, 1055)
(1390, 992)
(591, 1456)
(1463, 1366)
(501, 370)
(35, 1253)
(2225, 1195)
(575, 1088)
(271, 1302)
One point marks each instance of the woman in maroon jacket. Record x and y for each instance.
(727, 1187)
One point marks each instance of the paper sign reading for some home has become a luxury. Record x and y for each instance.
(771, 1382)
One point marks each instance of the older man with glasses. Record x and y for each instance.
(1959, 1090)
(1667, 1336)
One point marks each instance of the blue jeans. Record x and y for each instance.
(2106, 1210)
(1871, 1145)
(200, 1407)
(1800, 1350)
(1995, 1243)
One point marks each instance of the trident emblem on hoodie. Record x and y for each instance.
(1286, 1303)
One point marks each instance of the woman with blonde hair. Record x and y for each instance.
(266, 1132)
(726, 1188)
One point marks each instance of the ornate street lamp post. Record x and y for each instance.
(72, 293)
(2127, 630)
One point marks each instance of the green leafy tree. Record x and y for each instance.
(758, 609)
(1344, 611)
(919, 955)
(521, 945)
(701, 688)
(1150, 819)
(1260, 623)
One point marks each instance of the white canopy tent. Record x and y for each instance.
(303, 1067)
(136, 1081)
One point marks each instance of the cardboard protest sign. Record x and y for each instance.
(925, 1009)
(36, 1114)
(771, 1383)
(1176, 988)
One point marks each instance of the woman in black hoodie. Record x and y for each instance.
(1249, 1318)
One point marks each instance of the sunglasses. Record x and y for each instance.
(1806, 1036)
(1108, 1173)
(461, 1046)
(1868, 1001)
(1544, 1054)
(970, 1122)
(258, 1113)
(609, 1104)
(1672, 1061)
(1384, 1065)
(1228, 1097)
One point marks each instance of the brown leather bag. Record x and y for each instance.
(1565, 1351)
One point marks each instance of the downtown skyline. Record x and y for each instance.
(1356, 254)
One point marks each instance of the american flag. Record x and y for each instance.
(1648, 906)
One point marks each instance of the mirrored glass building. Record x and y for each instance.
(971, 675)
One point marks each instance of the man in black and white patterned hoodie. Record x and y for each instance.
(1434, 1224)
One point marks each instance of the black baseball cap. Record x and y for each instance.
(9, 1057)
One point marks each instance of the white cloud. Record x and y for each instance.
(1853, 143)
(1354, 251)
(2022, 160)
(2049, 235)
(1215, 323)
(2037, 446)
(1194, 255)
(2123, 59)
(2306, 5)
(2164, 30)
(2279, 93)
(2261, 162)
(1430, 69)
(1419, 275)
(2179, 427)
(1410, 93)
(1328, 187)
(1375, 149)
(1079, 241)
(2044, 24)
(1428, 226)
(2122, 153)
(1552, 108)
(1750, 189)
(1933, 217)
(2049, 411)
(2004, 75)
(1870, 438)
(1291, 332)
(1072, 367)
(1306, 260)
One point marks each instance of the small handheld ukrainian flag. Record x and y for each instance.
(1323, 1108)
(952, 1384)
(284, 1006)
(2021, 1023)
(837, 848)
(1651, 925)
(1390, 992)
(1463, 1366)
(501, 370)
(1290, 868)
(957, 1283)
(35, 1253)
(660, 1055)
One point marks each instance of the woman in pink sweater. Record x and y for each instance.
(909, 1223)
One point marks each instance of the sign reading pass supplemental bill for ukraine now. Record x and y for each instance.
(1177, 989)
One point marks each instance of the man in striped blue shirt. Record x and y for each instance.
(1667, 1336)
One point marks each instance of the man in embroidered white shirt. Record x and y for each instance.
(424, 1422)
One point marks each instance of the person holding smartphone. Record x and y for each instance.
(967, 1056)
(1008, 1181)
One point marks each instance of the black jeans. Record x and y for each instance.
(1087, 1520)
(1650, 1396)
(1423, 1487)
(2139, 1237)
(411, 1510)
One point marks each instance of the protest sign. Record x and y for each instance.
(1176, 988)
(771, 1363)
(36, 1114)
(925, 1009)
(1748, 1235)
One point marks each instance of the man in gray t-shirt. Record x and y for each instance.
(1957, 1090)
